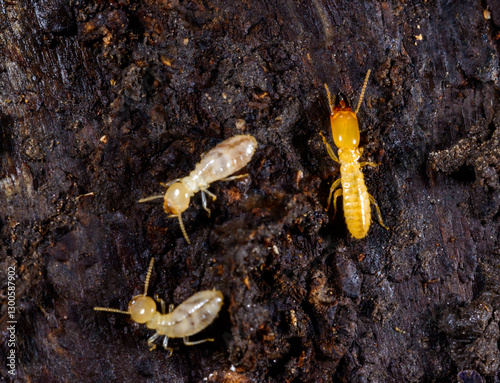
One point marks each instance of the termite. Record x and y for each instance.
(217, 164)
(189, 318)
(345, 133)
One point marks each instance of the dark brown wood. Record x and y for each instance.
(101, 101)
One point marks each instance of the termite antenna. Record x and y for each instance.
(330, 100)
(148, 276)
(111, 310)
(363, 91)
(183, 228)
(153, 197)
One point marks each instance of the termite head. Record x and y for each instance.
(345, 128)
(141, 308)
(176, 199)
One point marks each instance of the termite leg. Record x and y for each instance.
(151, 341)
(161, 302)
(165, 346)
(372, 164)
(334, 186)
(204, 202)
(329, 149)
(214, 197)
(204, 199)
(234, 177)
(170, 308)
(337, 194)
(187, 342)
(372, 200)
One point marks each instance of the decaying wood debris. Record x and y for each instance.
(100, 101)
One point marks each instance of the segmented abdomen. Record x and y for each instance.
(222, 161)
(192, 315)
(355, 199)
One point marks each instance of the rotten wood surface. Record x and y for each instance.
(101, 101)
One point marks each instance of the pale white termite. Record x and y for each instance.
(217, 164)
(189, 318)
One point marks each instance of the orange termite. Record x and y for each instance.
(356, 199)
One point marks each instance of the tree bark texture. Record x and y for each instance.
(101, 101)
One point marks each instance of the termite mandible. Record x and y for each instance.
(217, 164)
(345, 133)
(189, 318)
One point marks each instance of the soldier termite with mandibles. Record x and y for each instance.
(345, 133)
